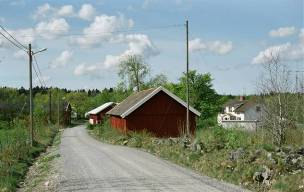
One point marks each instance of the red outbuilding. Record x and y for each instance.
(156, 110)
(96, 115)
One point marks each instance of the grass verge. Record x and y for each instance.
(16, 155)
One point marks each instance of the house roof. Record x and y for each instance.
(245, 106)
(134, 101)
(240, 106)
(100, 108)
(234, 103)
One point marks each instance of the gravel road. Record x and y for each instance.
(89, 165)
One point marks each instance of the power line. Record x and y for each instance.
(12, 42)
(38, 76)
(110, 32)
(39, 71)
(13, 38)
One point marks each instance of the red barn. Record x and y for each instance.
(156, 110)
(96, 115)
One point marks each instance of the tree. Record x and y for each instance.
(158, 80)
(202, 96)
(277, 98)
(134, 69)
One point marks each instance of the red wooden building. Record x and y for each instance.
(96, 115)
(156, 110)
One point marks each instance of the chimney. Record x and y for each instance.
(242, 98)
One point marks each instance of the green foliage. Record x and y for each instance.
(15, 152)
(134, 70)
(202, 96)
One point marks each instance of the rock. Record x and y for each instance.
(263, 176)
(270, 158)
(266, 174)
(235, 155)
(287, 149)
(47, 183)
(300, 151)
(258, 177)
(186, 142)
(125, 142)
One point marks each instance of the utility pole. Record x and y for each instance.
(50, 106)
(58, 110)
(187, 83)
(31, 95)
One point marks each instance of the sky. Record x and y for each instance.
(86, 40)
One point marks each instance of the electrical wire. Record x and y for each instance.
(111, 32)
(13, 37)
(12, 42)
(38, 76)
(39, 71)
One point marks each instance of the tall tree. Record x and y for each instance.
(277, 98)
(134, 69)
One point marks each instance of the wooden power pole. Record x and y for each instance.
(31, 95)
(187, 76)
(58, 110)
(50, 106)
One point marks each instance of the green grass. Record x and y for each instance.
(214, 160)
(16, 155)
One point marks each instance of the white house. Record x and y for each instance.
(240, 114)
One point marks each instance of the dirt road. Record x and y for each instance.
(89, 165)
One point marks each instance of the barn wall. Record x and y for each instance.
(118, 123)
(162, 116)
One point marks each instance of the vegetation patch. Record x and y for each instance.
(16, 154)
(238, 157)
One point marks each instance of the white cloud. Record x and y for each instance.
(43, 10)
(287, 52)
(21, 55)
(196, 45)
(84, 69)
(138, 44)
(62, 60)
(282, 32)
(270, 52)
(221, 48)
(86, 12)
(66, 11)
(24, 36)
(53, 28)
(47, 11)
(100, 30)
(218, 47)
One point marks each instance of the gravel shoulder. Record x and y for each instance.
(89, 165)
(44, 175)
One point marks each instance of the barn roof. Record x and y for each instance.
(134, 101)
(100, 108)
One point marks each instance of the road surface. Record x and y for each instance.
(90, 165)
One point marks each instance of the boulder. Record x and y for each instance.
(236, 155)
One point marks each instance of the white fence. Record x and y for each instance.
(249, 125)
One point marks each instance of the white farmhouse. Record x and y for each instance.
(240, 114)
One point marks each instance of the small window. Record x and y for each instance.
(238, 118)
(258, 108)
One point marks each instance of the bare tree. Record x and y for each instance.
(134, 69)
(277, 98)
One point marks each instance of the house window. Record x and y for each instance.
(238, 118)
(232, 118)
(258, 108)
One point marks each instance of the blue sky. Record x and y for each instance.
(227, 39)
